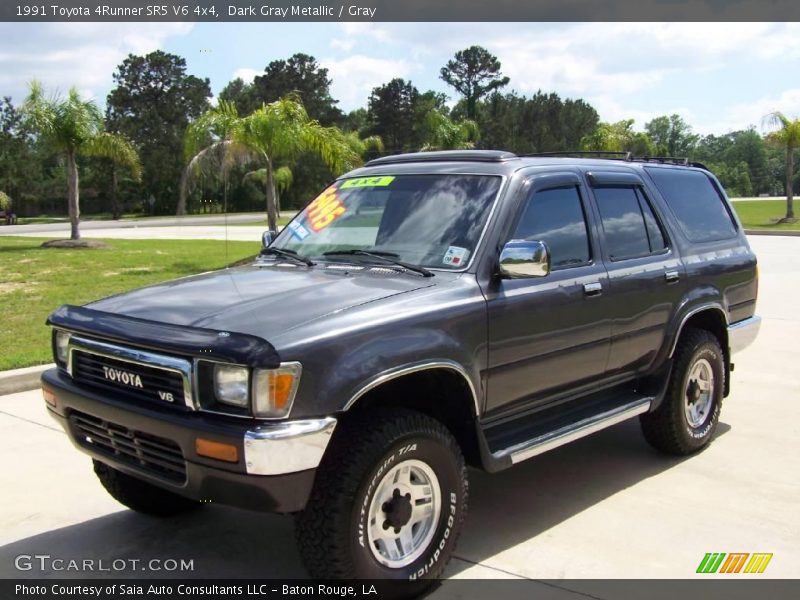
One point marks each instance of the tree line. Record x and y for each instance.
(162, 146)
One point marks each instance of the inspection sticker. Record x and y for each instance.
(298, 231)
(455, 256)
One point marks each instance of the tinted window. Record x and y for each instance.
(654, 234)
(556, 217)
(623, 222)
(697, 205)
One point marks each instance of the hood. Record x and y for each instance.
(263, 300)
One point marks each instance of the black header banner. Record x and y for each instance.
(398, 10)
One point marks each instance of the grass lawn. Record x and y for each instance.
(34, 281)
(763, 214)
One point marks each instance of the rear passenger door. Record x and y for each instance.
(644, 269)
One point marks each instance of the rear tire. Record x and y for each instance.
(687, 418)
(389, 500)
(141, 496)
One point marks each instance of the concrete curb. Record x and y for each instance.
(770, 232)
(21, 380)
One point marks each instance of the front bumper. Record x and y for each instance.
(276, 461)
(743, 333)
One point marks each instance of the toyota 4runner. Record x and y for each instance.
(426, 312)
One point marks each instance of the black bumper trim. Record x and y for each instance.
(206, 480)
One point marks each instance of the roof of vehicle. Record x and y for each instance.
(500, 162)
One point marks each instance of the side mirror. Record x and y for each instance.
(267, 238)
(521, 259)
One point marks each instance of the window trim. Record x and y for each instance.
(531, 192)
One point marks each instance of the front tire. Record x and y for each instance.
(389, 500)
(686, 420)
(141, 496)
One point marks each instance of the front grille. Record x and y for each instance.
(148, 453)
(157, 385)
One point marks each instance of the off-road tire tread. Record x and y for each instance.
(662, 427)
(141, 496)
(358, 443)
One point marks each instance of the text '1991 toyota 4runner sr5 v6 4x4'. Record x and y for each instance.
(425, 312)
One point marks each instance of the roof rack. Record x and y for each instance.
(491, 156)
(581, 153)
(668, 160)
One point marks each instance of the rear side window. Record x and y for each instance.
(624, 224)
(555, 216)
(698, 206)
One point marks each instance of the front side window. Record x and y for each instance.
(555, 216)
(427, 220)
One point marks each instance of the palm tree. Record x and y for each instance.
(284, 177)
(74, 126)
(210, 148)
(788, 136)
(275, 134)
(280, 132)
(440, 132)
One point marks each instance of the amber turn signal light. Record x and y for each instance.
(49, 396)
(216, 450)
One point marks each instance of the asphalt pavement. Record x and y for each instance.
(606, 506)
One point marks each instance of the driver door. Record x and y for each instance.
(552, 333)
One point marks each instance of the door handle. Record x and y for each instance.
(671, 276)
(593, 289)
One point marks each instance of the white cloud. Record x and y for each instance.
(246, 74)
(355, 76)
(743, 114)
(83, 55)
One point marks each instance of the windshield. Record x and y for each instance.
(425, 220)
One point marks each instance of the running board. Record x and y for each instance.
(574, 431)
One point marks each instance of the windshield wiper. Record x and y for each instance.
(389, 257)
(288, 254)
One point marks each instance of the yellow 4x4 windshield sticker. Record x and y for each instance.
(325, 209)
(367, 182)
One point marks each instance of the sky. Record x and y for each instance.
(719, 77)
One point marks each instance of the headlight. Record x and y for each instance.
(274, 390)
(231, 385)
(62, 341)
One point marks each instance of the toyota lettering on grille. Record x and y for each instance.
(120, 376)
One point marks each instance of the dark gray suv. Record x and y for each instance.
(426, 312)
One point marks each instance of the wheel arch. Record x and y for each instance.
(442, 390)
(711, 318)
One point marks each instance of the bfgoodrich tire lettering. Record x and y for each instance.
(334, 531)
(686, 420)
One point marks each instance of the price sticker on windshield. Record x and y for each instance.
(357, 182)
(324, 210)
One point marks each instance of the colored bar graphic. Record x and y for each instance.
(734, 562)
(758, 563)
(710, 562)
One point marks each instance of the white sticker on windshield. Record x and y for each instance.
(455, 256)
(298, 230)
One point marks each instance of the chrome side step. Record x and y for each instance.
(574, 431)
